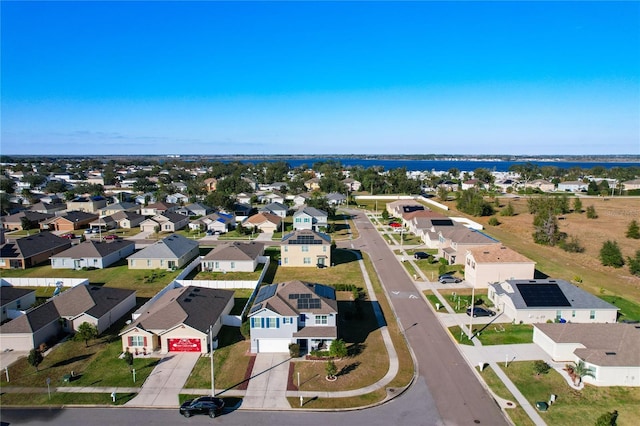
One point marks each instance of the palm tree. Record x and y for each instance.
(581, 370)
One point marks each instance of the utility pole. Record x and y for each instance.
(213, 389)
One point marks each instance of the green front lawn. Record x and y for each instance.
(495, 334)
(460, 299)
(572, 406)
(628, 310)
(517, 414)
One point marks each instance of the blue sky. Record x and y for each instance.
(320, 77)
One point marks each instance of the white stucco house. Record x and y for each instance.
(493, 263)
(293, 312)
(93, 254)
(610, 351)
(539, 301)
(234, 256)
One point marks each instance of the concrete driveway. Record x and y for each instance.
(162, 387)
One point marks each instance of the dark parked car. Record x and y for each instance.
(111, 237)
(202, 405)
(421, 255)
(68, 236)
(444, 279)
(480, 312)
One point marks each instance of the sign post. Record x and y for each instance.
(48, 386)
(6, 372)
(299, 388)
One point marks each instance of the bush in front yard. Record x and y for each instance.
(294, 350)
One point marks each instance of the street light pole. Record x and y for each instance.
(213, 390)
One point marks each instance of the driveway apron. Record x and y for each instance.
(166, 381)
(267, 387)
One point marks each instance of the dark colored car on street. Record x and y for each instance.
(202, 405)
(444, 279)
(479, 311)
(421, 255)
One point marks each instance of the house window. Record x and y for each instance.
(167, 227)
(95, 261)
(298, 220)
(321, 320)
(305, 249)
(306, 220)
(233, 265)
(162, 263)
(307, 261)
(286, 249)
(558, 315)
(272, 322)
(324, 249)
(216, 265)
(592, 315)
(287, 320)
(136, 341)
(573, 314)
(148, 262)
(256, 322)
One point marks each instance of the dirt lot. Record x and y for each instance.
(614, 216)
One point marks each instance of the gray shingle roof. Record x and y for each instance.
(93, 249)
(236, 251)
(34, 244)
(197, 307)
(173, 246)
(8, 294)
(280, 302)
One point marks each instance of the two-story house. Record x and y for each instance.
(306, 248)
(293, 312)
(310, 218)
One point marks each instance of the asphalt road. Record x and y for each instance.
(459, 397)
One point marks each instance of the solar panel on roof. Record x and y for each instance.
(325, 291)
(314, 303)
(294, 296)
(256, 308)
(265, 293)
(542, 295)
(303, 303)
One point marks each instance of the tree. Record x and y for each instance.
(591, 213)
(25, 223)
(546, 228)
(86, 331)
(385, 215)
(507, 210)
(442, 193)
(540, 367)
(608, 419)
(581, 370)
(634, 264)
(338, 349)
(128, 358)
(331, 369)
(35, 358)
(472, 202)
(7, 185)
(577, 205)
(610, 254)
(633, 231)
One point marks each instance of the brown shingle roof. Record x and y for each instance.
(236, 251)
(497, 253)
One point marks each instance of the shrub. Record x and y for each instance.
(338, 349)
(634, 264)
(572, 246)
(633, 231)
(331, 369)
(608, 419)
(540, 367)
(591, 213)
(508, 210)
(610, 254)
(493, 221)
(294, 350)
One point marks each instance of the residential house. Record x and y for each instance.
(264, 222)
(312, 184)
(301, 199)
(171, 252)
(541, 185)
(114, 208)
(351, 184)
(104, 223)
(48, 208)
(142, 199)
(181, 320)
(158, 208)
(167, 221)
(70, 221)
(610, 352)
(400, 207)
(506, 184)
(242, 210)
(177, 198)
(310, 218)
(233, 256)
(98, 305)
(277, 209)
(93, 254)
(471, 183)
(14, 300)
(494, 263)
(631, 185)
(14, 222)
(336, 198)
(306, 247)
(91, 204)
(195, 209)
(293, 312)
(127, 220)
(244, 198)
(32, 250)
(573, 186)
(536, 301)
(453, 243)
(210, 184)
(275, 186)
(272, 197)
(219, 223)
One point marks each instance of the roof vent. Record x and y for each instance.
(187, 300)
(610, 353)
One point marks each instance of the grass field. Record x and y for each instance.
(572, 406)
(517, 414)
(614, 216)
(495, 334)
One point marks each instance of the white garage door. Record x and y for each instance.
(273, 345)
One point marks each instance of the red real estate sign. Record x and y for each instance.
(184, 345)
